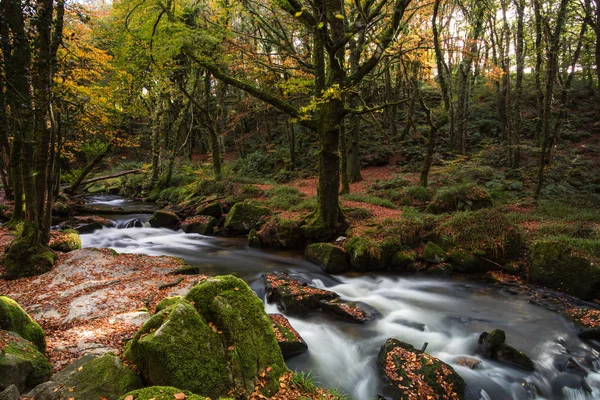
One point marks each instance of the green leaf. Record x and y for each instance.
(321, 25)
(339, 16)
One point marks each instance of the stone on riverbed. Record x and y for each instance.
(13, 318)
(407, 373)
(492, 346)
(290, 341)
(243, 217)
(351, 311)
(164, 219)
(202, 224)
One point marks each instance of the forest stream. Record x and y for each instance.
(448, 314)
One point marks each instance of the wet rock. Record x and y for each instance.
(568, 364)
(203, 225)
(161, 393)
(357, 312)
(243, 217)
(281, 233)
(164, 219)
(21, 364)
(219, 335)
(468, 362)
(290, 341)
(411, 324)
(433, 253)
(440, 269)
(10, 393)
(404, 261)
(92, 377)
(492, 345)
(368, 254)
(407, 373)
(293, 297)
(13, 318)
(332, 259)
(213, 209)
(561, 266)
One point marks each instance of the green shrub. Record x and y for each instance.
(462, 197)
(284, 197)
(396, 182)
(377, 201)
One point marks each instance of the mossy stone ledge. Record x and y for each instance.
(332, 259)
(243, 217)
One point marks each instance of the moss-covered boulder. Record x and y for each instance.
(213, 209)
(292, 297)
(560, 265)
(166, 303)
(290, 341)
(216, 341)
(61, 208)
(161, 393)
(433, 253)
(281, 233)
(92, 377)
(492, 345)
(333, 259)
(472, 236)
(463, 197)
(404, 261)
(368, 254)
(407, 373)
(13, 318)
(243, 217)
(21, 363)
(164, 219)
(202, 224)
(22, 258)
(65, 241)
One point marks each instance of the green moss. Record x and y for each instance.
(332, 259)
(433, 253)
(284, 197)
(561, 265)
(404, 260)
(164, 219)
(462, 197)
(13, 318)
(161, 393)
(23, 259)
(65, 241)
(282, 233)
(243, 217)
(166, 303)
(202, 225)
(377, 201)
(19, 351)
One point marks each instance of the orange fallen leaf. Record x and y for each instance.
(130, 397)
(180, 396)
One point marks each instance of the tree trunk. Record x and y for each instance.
(515, 161)
(344, 159)
(539, 49)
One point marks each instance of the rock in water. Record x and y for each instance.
(90, 377)
(492, 346)
(243, 217)
(217, 341)
(333, 259)
(351, 311)
(407, 373)
(21, 364)
(14, 319)
(290, 341)
(161, 393)
(202, 224)
(164, 219)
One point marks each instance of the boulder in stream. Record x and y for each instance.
(21, 364)
(290, 341)
(201, 224)
(492, 346)
(407, 373)
(332, 259)
(13, 318)
(292, 296)
(164, 219)
(215, 342)
(351, 311)
(90, 377)
(213, 209)
(243, 217)
(280, 233)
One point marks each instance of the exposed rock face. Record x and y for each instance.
(216, 341)
(407, 373)
(559, 265)
(21, 364)
(90, 377)
(492, 346)
(243, 217)
(164, 219)
(290, 341)
(13, 318)
(333, 259)
(203, 225)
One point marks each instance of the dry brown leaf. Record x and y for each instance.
(179, 396)
(130, 397)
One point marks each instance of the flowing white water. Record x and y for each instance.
(447, 314)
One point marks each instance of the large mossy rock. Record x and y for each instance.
(290, 341)
(22, 259)
(164, 219)
(213, 209)
(367, 254)
(13, 318)
(91, 377)
(280, 233)
(332, 259)
(243, 217)
(21, 364)
(202, 224)
(559, 265)
(433, 253)
(492, 346)
(216, 341)
(407, 373)
(65, 241)
(161, 393)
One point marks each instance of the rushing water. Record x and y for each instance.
(447, 314)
